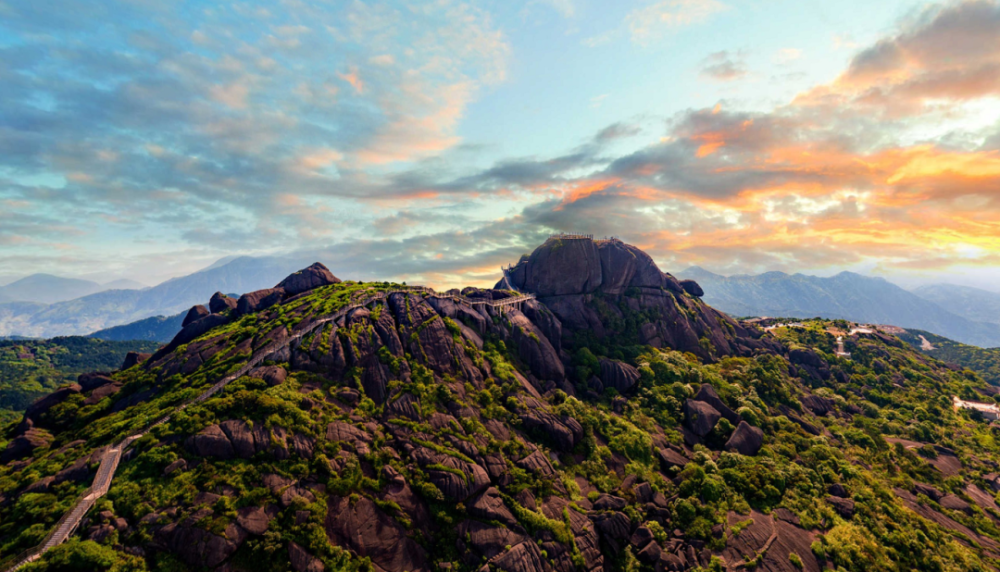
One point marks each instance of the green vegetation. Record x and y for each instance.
(984, 361)
(32, 368)
(452, 410)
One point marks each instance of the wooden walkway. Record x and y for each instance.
(112, 456)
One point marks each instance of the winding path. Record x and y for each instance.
(65, 526)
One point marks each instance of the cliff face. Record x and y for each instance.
(612, 289)
(328, 425)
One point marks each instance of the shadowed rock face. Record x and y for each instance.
(574, 277)
(362, 527)
(308, 279)
(194, 314)
(220, 303)
(561, 267)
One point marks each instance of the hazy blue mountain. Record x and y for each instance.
(972, 303)
(123, 284)
(110, 308)
(46, 288)
(847, 295)
(156, 329)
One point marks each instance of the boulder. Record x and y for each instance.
(220, 303)
(194, 546)
(805, 356)
(525, 557)
(485, 540)
(363, 528)
(488, 506)
(43, 404)
(41, 485)
(178, 465)
(647, 274)
(563, 266)
(302, 561)
(692, 288)
(670, 458)
(745, 440)
(133, 359)
(91, 381)
(537, 463)
(307, 279)
(101, 392)
(838, 490)
(707, 394)
(618, 375)
(613, 528)
(563, 432)
(211, 442)
(699, 417)
(819, 406)
(844, 507)
(927, 490)
(535, 350)
(192, 332)
(259, 300)
(609, 502)
(272, 374)
(952, 502)
(194, 314)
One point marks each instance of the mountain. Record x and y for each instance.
(115, 307)
(985, 362)
(156, 329)
(32, 368)
(971, 303)
(602, 418)
(46, 289)
(123, 284)
(847, 295)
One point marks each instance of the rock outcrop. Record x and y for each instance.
(221, 303)
(194, 314)
(258, 300)
(307, 279)
(746, 439)
(618, 375)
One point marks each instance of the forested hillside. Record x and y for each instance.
(32, 368)
(984, 361)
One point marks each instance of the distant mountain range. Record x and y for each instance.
(103, 310)
(972, 303)
(49, 289)
(156, 329)
(853, 297)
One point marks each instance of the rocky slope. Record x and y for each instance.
(616, 422)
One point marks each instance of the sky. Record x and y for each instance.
(434, 141)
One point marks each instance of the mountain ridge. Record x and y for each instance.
(614, 421)
(846, 295)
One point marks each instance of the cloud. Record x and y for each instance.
(945, 55)
(650, 23)
(231, 147)
(147, 123)
(617, 131)
(724, 66)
